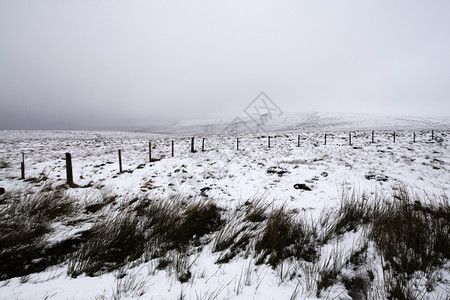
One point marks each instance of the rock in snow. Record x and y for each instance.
(301, 186)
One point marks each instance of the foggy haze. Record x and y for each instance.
(100, 64)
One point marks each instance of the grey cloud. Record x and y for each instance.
(92, 64)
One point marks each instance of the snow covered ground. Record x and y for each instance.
(307, 179)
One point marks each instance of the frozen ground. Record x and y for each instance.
(229, 178)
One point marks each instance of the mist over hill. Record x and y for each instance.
(298, 122)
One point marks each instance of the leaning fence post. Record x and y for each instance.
(120, 161)
(69, 169)
(22, 165)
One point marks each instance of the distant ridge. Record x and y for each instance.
(302, 121)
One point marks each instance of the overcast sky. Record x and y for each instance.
(100, 63)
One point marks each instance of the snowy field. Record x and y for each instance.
(305, 179)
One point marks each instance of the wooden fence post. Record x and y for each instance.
(325, 139)
(373, 133)
(414, 137)
(432, 134)
(22, 165)
(172, 148)
(69, 169)
(298, 141)
(120, 161)
(150, 151)
(192, 145)
(394, 136)
(237, 143)
(203, 144)
(350, 138)
(268, 141)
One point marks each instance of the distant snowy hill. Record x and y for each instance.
(303, 121)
